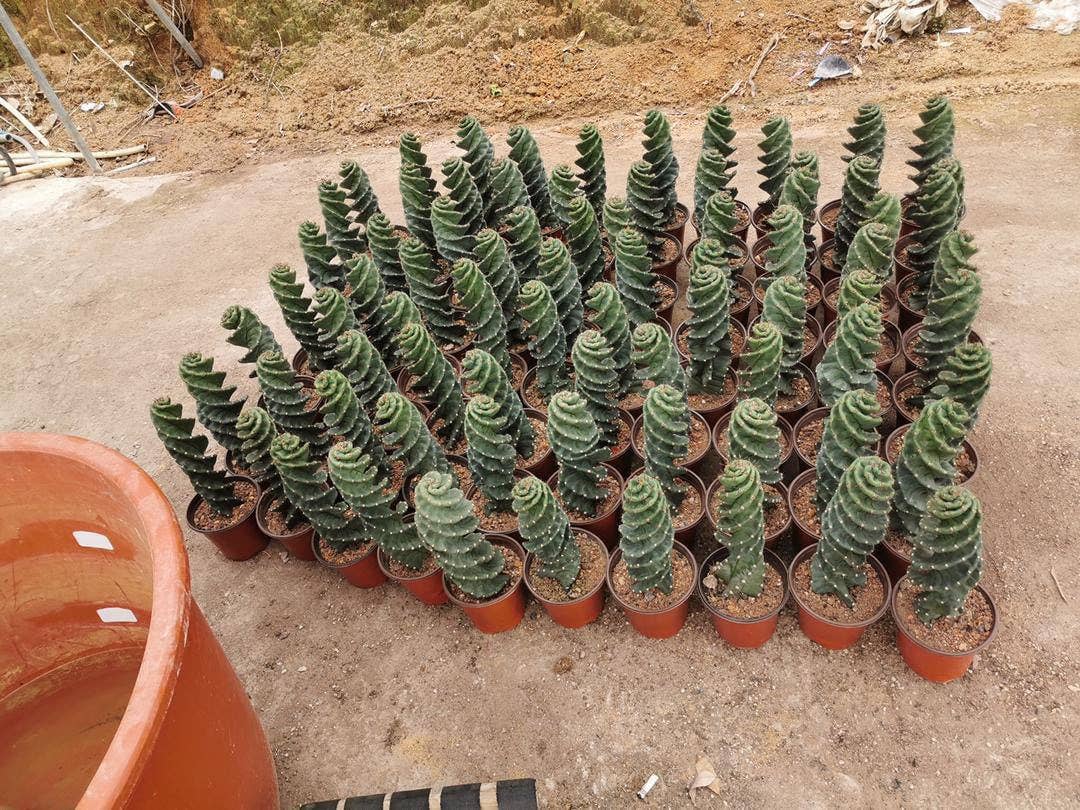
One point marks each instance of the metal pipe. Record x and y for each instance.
(181, 40)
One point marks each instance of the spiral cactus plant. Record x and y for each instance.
(607, 312)
(523, 242)
(397, 310)
(655, 357)
(547, 340)
(634, 276)
(965, 379)
(861, 186)
(296, 310)
(215, 407)
(481, 310)
(401, 427)
(660, 156)
(712, 176)
(563, 186)
(324, 268)
(759, 369)
(800, 189)
(366, 489)
(785, 308)
(949, 317)
(526, 154)
(740, 527)
(368, 299)
(358, 192)
(871, 251)
(666, 429)
(287, 403)
(926, 461)
(417, 194)
(557, 272)
(934, 215)
(481, 375)
(428, 290)
(447, 525)
(754, 435)
(453, 238)
(248, 332)
(946, 560)
(582, 232)
(345, 417)
(545, 531)
(786, 253)
(867, 134)
(305, 484)
(385, 241)
(954, 254)
(775, 147)
(856, 288)
(645, 201)
(333, 318)
(853, 524)
(848, 363)
(719, 221)
(189, 453)
(507, 190)
(617, 215)
(493, 259)
(461, 187)
(411, 152)
(719, 133)
(936, 134)
(343, 235)
(575, 440)
(647, 536)
(886, 209)
(363, 367)
(479, 153)
(591, 169)
(709, 330)
(257, 432)
(596, 381)
(850, 430)
(434, 378)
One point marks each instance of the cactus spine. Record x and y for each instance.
(591, 169)
(759, 370)
(786, 253)
(189, 453)
(596, 381)
(861, 186)
(343, 235)
(965, 379)
(248, 332)
(867, 134)
(363, 367)
(481, 310)
(384, 242)
(936, 134)
(215, 408)
(557, 272)
(946, 562)
(785, 308)
(709, 329)
(434, 378)
(576, 442)
(526, 154)
(417, 194)
(660, 156)
(523, 241)
(646, 535)
(740, 528)
(508, 191)
(655, 357)
(775, 147)
(546, 532)
(491, 452)
(400, 426)
(754, 435)
(645, 201)
(850, 431)
(357, 187)
(324, 269)
(482, 375)
(582, 233)
(287, 403)
(666, 430)
(257, 432)
(345, 418)
(634, 276)
(296, 310)
(849, 362)
(934, 215)
(547, 340)
(926, 460)
(609, 316)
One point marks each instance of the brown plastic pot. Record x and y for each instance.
(664, 313)
(693, 463)
(109, 673)
(887, 300)
(298, 361)
(908, 341)
(539, 407)
(667, 268)
(827, 232)
(504, 612)
(906, 225)
(829, 634)
(746, 634)
(788, 464)
(899, 257)
(514, 533)
(818, 414)
(826, 262)
(734, 326)
(544, 466)
(771, 539)
(804, 535)
(622, 458)
(895, 562)
(891, 365)
(428, 588)
(900, 431)
(712, 415)
(575, 612)
(677, 228)
(297, 543)
(239, 542)
(938, 666)
(362, 573)
(902, 384)
(758, 219)
(792, 413)
(605, 525)
(663, 623)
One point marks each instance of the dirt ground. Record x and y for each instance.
(110, 281)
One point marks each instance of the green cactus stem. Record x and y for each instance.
(861, 186)
(957, 171)
(523, 242)
(850, 431)
(853, 524)
(479, 153)
(934, 215)
(634, 276)
(324, 268)
(666, 430)
(867, 134)
(785, 308)
(366, 489)
(719, 221)
(754, 435)
(646, 535)
(925, 463)
(481, 310)
(946, 561)
(545, 531)
(591, 169)
(582, 232)
(189, 453)
(775, 147)
(482, 375)
(871, 251)
(786, 253)
(434, 378)
(712, 176)
(563, 186)
(248, 332)
(358, 192)
(547, 340)
(800, 190)
(384, 241)
(759, 365)
(965, 379)
(948, 320)
(367, 296)
(596, 379)
(491, 452)
(709, 329)
(412, 154)
(345, 418)
(257, 432)
(461, 187)
(740, 528)
(645, 199)
(556, 270)
(848, 363)
(343, 235)
(287, 403)
(453, 238)
(719, 133)
(954, 254)
(364, 368)
(215, 407)
(493, 259)
(936, 134)
(607, 313)
(400, 427)
(655, 357)
(446, 523)
(417, 194)
(886, 209)
(526, 154)
(575, 440)
(296, 310)
(508, 191)
(397, 310)
(429, 289)
(617, 215)
(333, 318)
(856, 288)
(305, 484)
(660, 156)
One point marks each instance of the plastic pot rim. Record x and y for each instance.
(771, 558)
(903, 628)
(879, 569)
(616, 555)
(530, 558)
(498, 540)
(193, 504)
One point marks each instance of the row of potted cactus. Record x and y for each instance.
(503, 368)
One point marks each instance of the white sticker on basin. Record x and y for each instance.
(112, 615)
(93, 540)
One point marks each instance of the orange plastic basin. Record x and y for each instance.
(113, 690)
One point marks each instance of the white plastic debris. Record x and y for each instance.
(833, 66)
(217, 74)
(92, 106)
(650, 783)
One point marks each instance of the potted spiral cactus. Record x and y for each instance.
(482, 574)
(651, 576)
(775, 160)
(839, 587)
(743, 584)
(943, 616)
(223, 509)
(710, 340)
(867, 138)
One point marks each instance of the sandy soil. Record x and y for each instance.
(110, 281)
